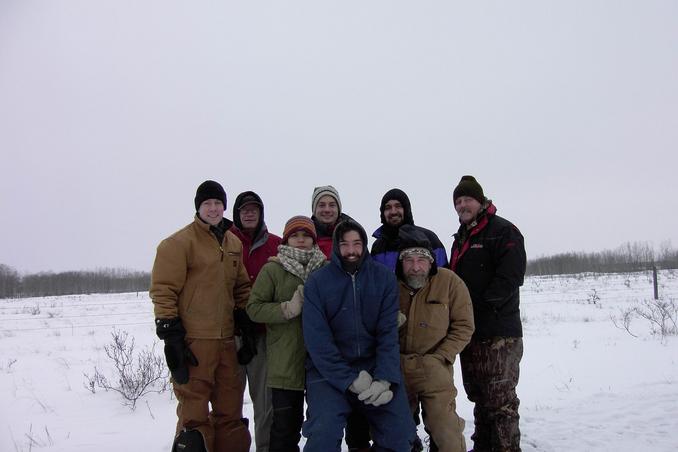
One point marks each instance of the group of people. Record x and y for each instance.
(366, 338)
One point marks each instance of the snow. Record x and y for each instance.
(586, 384)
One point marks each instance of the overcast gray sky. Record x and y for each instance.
(113, 111)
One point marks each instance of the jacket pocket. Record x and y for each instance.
(438, 372)
(232, 266)
(436, 317)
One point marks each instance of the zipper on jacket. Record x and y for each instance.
(221, 248)
(409, 336)
(355, 308)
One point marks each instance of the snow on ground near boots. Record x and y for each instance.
(585, 384)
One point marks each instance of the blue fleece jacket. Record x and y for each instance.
(350, 321)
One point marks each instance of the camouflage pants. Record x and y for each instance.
(490, 370)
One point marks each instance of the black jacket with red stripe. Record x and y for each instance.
(490, 258)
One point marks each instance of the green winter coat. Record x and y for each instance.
(285, 351)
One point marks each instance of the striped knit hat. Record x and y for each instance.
(324, 190)
(299, 223)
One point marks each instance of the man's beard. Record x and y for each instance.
(416, 281)
(351, 266)
(394, 220)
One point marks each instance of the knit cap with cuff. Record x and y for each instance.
(469, 186)
(324, 190)
(299, 223)
(209, 190)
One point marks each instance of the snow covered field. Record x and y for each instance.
(586, 384)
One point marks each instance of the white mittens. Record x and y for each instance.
(362, 383)
(291, 309)
(377, 394)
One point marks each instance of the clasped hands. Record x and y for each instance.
(371, 392)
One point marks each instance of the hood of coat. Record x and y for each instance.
(400, 196)
(342, 228)
(413, 237)
(248, 197)
(391, 232)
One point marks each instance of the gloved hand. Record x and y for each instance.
(373, 393)
(401, 319)
(248, 336)
(361, 383)
(177, 353)
(292, 308)
(383, 398)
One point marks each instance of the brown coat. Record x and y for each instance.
(200, 281)
(439, 317)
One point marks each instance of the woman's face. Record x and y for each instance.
(301, 240)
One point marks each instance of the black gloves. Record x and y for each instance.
(177, 353)
(248, 334)
(190, 441)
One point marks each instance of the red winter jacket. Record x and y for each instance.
(325, 234)
(255, 254)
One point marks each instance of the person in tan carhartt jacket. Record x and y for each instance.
(197, 282)
(436, 323)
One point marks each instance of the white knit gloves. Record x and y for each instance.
(372, 392)
(291, 309)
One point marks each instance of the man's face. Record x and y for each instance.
(327, 210)
(415, 269)
(467, 208)
(394, 213)
(351, 246)
(212, 211)
(249, 216)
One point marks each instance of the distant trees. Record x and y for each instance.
(106, 280)
(628, 257)
(9, 281)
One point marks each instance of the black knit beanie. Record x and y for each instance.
(209, 190)
(468, 186)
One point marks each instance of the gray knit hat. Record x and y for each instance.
(319, 192)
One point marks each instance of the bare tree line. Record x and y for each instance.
(628, 257)
(106, 280)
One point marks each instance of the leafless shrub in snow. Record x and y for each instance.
(135, 375)
(32, 310)
(7, 367)
(662, 315)
(623, 322)
(593, 297)
(38, 440)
